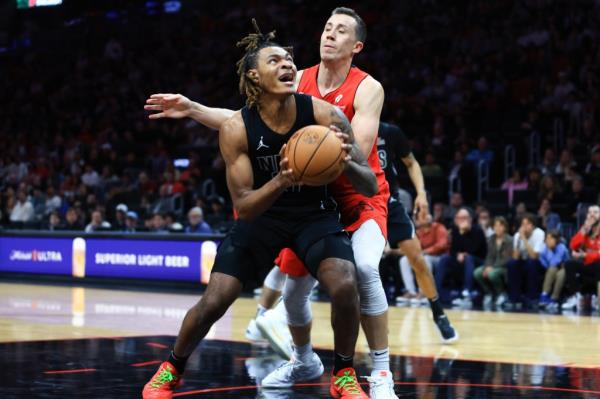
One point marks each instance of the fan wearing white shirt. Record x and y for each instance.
(525, 270)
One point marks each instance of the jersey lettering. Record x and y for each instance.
(382, 158)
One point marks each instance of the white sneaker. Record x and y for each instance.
(259, 367)
(487, 301)
(571, 303)
(273, 327)
(294, 372)
(381, 385)
(502, 298)
(252, 332)
(464, 302)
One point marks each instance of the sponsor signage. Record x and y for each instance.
(109, 257)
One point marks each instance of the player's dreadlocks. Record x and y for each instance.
(252, 44)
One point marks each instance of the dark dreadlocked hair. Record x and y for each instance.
(252, 44)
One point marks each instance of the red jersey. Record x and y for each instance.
(354, 207)
(590, 245)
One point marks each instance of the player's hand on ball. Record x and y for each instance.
(286, 174)
(168, 106)
(347, 142)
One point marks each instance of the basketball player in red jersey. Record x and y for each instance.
(360, 97)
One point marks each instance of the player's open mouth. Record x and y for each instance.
(287, 78)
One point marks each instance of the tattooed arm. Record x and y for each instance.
(357, 169)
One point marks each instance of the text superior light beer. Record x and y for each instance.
(79, 257)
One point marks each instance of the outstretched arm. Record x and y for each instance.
(248, 202)
(357, 169)
(416, 176)
(177, 106)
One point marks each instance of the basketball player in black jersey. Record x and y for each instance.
(275, 211)
(393, 147)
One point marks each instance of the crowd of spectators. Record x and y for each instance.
(462, 78)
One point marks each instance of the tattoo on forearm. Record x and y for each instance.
(338, 119)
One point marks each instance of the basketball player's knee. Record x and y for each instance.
(275, 280)
(373, 301)
(296, 299)
(298, 310)
(417, 261)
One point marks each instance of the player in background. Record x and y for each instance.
(393, 147)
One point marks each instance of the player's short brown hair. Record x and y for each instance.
(361, 27)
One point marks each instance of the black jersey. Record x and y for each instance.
(392, 146)
(263, 149)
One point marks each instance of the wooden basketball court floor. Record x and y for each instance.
(75, 342)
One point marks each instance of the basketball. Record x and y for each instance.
(315, 155)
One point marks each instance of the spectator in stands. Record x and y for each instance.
(131, 220)
(456, 203)
(578, 194)
(484, 221)
(592, 169)
(515, 182)
(548, 165)
(97, 223)
(468, 248)
(23, 211)
(431, 168)
(53, 200)
(38, 200)
(549, 189)
(525, 269)
(218, 217)
(439, 210)
(585, 254)
(492, 275)
(534, 179)
(165, 201)
(72, 220)
(196, 222)
(54, 222)
(158, 223)
(171, 223)
(120, 217)
(434, 242)
(565, 162)
(481, 153)
(90, 178)
(548, 220)
(553, 256)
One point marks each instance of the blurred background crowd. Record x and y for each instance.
(470, 82)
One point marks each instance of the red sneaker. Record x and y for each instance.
(163, 383)
(344, 385)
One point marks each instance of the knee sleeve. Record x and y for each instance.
(368, 244)
(275, 280)
(296, 298)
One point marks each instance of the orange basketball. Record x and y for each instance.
(315, 155)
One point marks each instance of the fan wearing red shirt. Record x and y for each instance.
(585, 254)
(360, 97)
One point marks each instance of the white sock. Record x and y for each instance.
(260, 310)
(303, 353)
(381, 359)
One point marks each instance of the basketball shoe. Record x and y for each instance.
(163, 383)
(294, 372)
(381, 385)
(448, 333)
(273, 327)
(344, 385)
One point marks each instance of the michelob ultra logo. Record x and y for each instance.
(35, 256)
